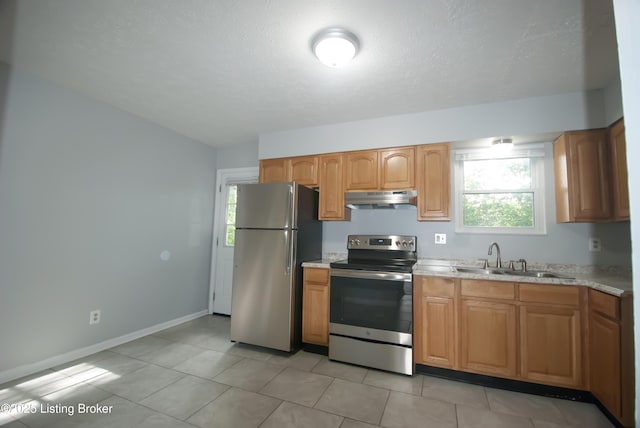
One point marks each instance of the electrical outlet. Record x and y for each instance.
(595, 245)
(94, 316)
(441, 238)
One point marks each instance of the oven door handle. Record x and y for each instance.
(370, 274)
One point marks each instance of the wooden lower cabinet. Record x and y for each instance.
(315, 306)
(558, 335)
(434, 314)
(611, 354)
(604, 339)
(551, 345)
(488, 337)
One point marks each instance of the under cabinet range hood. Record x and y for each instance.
(389, 199)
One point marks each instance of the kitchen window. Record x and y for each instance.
(500, 192)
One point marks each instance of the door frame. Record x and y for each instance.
(224, 176)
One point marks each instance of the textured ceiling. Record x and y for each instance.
(223, 71)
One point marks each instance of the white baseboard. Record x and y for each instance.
(27, 369)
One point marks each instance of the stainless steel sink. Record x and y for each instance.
(540, 274)
(481, 271)
(496, 271)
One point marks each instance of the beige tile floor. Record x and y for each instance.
(193, 375)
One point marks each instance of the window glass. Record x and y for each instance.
(498, 174)
(230, 226)
(500, 194)
(499, 210)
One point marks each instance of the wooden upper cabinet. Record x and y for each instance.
(397, 168)
(620, 188)
(303, 170)
(384, 169)
(361, 170)
(433, 182)
(331, 188)
(582, 177)
(273, 170)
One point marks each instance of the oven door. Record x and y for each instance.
(376, 306)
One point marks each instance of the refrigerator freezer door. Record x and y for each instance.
(263, 288)
(265, 206)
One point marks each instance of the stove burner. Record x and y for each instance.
(380, 253)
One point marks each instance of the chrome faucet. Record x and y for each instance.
(498, 258)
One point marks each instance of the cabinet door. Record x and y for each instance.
(315, 313)
(361, 170)
(620, 187)
(273, 170)
(433, 182)
(397, 168)
(604, 366)
(589, 182)
(434, 315)
(488, 337)
(331, 189)
(550, 345)
(304, 170)
(315, 306)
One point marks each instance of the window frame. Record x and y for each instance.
(537, 155)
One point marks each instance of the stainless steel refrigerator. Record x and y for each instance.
(277, 229)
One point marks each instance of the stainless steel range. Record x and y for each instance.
(371, 306)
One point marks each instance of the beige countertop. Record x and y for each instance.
(322, 264)
(608, 281)
(616, 285)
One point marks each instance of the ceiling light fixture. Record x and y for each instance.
(335, 47)
(502, 144)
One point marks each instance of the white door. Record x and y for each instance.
(224, 236)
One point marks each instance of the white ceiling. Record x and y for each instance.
(224, 71)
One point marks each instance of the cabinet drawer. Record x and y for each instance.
(436, 286)
(559, 294)
(488, 289)
(316, 275)
(606, 304)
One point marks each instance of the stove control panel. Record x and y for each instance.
(382, 242)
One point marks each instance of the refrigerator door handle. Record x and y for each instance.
(287, 251)
(289, 220)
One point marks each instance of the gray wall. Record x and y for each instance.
(563, 243)
(529, 116)
(89, 198)
(613, 102)
(238, 156)
(627, 13)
